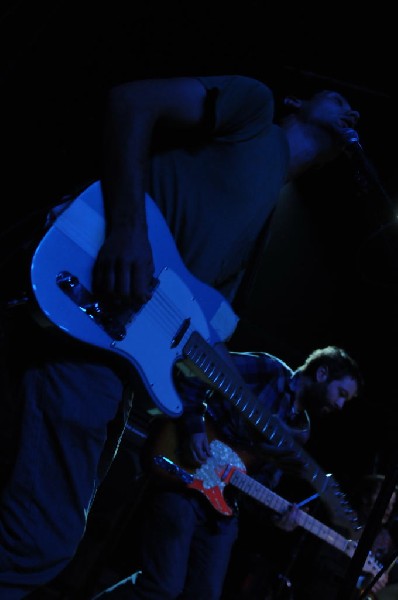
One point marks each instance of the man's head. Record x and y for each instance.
(317, 128)
(327, 109)
(329, 378)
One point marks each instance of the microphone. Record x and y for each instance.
(353, 149)
(365, 171)
(350, 136)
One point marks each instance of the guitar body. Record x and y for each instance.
(165, 439)
(207, 478)
(150, 339)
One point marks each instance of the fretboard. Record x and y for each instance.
(265, 496)
(268, 498)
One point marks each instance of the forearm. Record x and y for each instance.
(127, 137)
(124, 268)
(133, 112)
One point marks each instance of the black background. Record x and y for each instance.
(323, 280)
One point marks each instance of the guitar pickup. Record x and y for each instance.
(180, 333)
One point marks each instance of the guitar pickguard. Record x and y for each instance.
(208, 478)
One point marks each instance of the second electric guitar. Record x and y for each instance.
(225, 467)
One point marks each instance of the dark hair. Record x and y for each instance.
(338, 362)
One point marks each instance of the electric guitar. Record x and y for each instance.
(180, 324)
(225, 467)
(151, 339)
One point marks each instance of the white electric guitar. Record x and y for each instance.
(151, 339)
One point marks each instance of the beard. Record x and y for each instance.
(315, 399)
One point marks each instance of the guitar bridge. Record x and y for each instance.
(115, 326)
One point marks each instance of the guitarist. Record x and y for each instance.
(209, 153)
(186, 543)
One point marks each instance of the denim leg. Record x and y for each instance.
(186, 550)
(170, 521)
(44, 506)
(210, 556)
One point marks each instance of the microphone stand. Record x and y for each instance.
(367, 178)
(366, 174)
(349, 590)
(385, 569)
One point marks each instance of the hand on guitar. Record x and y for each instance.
(124, 268)
(289, 519)
(379, 585)
(196, 449)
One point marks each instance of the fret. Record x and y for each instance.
(238, 391)
(227, 387)
(210, 370)
(243, 408)
(216, 379)
(263, 417)
(201, 361)
(240, 397)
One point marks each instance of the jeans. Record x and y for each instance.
(67, 411)
(186, 548)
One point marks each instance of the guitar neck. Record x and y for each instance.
(268, 498)
(208, 364)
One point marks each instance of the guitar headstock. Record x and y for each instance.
(341, 512)
(371, 565)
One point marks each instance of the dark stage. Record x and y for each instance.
(330, 273)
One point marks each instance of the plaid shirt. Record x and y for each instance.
(268, 378)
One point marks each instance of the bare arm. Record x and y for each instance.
(124, 267)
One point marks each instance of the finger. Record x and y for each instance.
(103, 278)
(122, 280)
(198, 453)
(142, 281)
(206, 448)
(196, 457)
